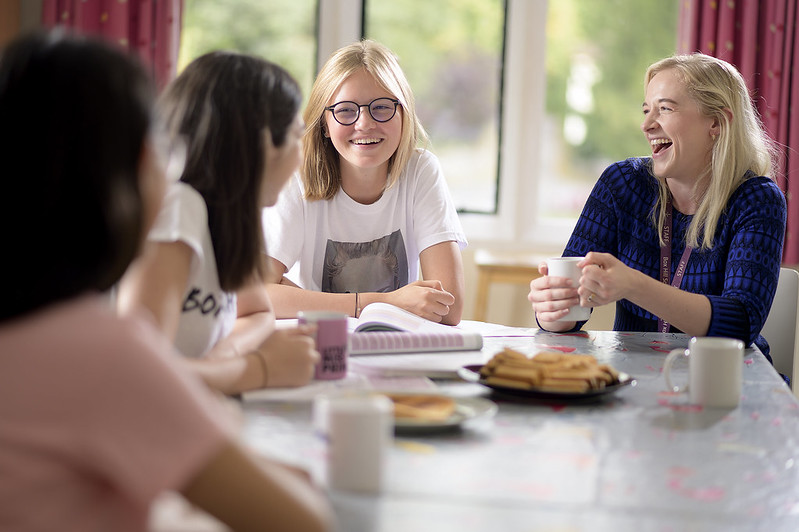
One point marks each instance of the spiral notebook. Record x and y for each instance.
(383, 328)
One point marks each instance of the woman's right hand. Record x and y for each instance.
(289, 356)
(551, 297)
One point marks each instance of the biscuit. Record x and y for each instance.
(548, 357)
(508, 383)
(611, 371)
(564, 385)
(532, 375)
(425, 407)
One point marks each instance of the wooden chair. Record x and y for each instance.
(501, 267)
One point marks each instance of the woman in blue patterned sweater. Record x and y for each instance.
(689, 239)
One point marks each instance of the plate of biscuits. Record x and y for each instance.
(426, 412)
(547, 375)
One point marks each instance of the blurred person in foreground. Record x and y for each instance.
(96, 417)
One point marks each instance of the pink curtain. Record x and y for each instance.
(761, 38)
(150, 28)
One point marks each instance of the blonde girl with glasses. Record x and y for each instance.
(369, 211)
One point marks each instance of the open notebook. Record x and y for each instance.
(383, 328)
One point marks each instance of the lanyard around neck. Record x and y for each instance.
(665, 261)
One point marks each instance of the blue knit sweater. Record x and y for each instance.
(738, 275)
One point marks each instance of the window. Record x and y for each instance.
(526, 101)
(453, 61)
(597, 53)
(283, 31)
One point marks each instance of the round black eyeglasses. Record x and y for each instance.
(380, 109)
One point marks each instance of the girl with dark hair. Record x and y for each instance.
(201, 276)
(96, 417)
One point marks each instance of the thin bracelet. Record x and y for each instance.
(357, 307)
(262, 362)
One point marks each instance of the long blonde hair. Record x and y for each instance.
(320, 169)
(741, 147)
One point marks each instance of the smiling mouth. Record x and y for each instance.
(366, 142)
(659, 145)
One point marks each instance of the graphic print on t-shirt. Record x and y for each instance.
(196, 301)
(377, 266)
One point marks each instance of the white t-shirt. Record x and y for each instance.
(208, 313)
(340, 245)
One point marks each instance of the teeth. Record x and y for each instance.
(654, 142)
(366, 141)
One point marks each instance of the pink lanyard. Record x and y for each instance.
(665, 262)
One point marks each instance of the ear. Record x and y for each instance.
(272, 153)
(715, 128)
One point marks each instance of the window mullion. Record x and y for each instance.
(340, 23)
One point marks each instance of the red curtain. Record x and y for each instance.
(760, 38)
(150, 28)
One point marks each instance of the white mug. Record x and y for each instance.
(715, 371)
(567, 267)
(360, 432)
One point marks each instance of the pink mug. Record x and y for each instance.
(332, 342)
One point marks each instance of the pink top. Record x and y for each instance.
(95, 420)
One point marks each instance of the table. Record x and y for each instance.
(642, 459)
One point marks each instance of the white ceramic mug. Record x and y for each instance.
(715, 371)
(360, 432)
(567, 267)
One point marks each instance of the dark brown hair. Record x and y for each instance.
(74, 114)
(220, 105)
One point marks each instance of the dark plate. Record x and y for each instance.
(472, 374)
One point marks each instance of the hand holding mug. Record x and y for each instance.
(288, 357)
(554, 296)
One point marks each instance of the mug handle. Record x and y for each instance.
(667, 369)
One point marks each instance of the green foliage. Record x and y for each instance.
(563, 36)
(451, 59)
(623, 37)
(278, 30)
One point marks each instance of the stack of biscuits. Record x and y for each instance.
(548, 371)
